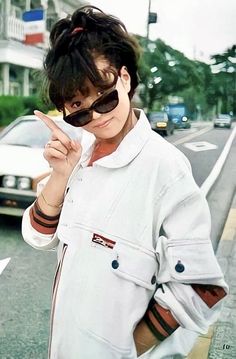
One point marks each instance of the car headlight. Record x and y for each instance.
(24, 183)
(184, 119)
(9, 181)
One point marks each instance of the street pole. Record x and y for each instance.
(149, 8)
(147, 40)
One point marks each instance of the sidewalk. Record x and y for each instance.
(220, 341)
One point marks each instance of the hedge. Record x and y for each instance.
(12, 107)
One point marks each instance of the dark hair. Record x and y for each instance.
(76, 42)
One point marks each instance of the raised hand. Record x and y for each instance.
(61, 152)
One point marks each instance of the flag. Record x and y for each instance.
(34, 26)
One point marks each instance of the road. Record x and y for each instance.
(25, 284)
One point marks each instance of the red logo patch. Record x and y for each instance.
(105, 242)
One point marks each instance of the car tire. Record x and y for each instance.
(167, 133)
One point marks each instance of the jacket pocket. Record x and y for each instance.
(134, 264)
(192, 261)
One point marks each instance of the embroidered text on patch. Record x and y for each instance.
(105, 242)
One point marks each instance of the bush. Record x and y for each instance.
(10, 108)
(32, 103)
(15, 106)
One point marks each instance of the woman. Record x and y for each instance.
(137, 273)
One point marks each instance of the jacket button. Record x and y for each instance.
(179, 267)
(115, 264)
(153, 280)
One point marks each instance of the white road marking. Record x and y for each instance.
(192, 135)
(210, 180)
(200, 146)
(3, 264)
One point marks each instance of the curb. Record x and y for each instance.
(220, 340)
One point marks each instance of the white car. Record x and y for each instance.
(223, 120)
(22, 164)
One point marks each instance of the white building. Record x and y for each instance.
(19, 61)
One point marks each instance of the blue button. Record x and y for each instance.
(179, 267)
(115, 264)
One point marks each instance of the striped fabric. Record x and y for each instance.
(41, 222)
(160, 321)
(210, 294)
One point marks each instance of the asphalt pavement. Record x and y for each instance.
(220, 341)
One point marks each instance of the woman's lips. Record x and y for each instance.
(103, 124)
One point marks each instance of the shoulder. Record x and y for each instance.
(166, 156)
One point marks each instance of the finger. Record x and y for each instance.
(48, 121)
(76, 146)
(57, 132)
(51, 153)
(59, 146)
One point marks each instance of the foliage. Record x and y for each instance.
(10, 108)
(14, 106)
(166, 72)
(224, 68)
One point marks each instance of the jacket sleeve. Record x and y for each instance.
(33, 237)
(191, 283)
(36, 239)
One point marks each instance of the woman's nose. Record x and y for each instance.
(95, 115)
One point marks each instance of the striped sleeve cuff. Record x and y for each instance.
(160, 321)
(210, 294)
(41, 222)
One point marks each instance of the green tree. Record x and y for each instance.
(164, 71)
(224, 68)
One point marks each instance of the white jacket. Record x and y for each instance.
(125, 224)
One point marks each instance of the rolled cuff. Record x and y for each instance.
(36, 239)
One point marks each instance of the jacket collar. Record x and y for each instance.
(129, 147)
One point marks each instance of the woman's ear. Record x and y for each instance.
(125, 78)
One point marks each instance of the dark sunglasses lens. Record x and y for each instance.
(79, 118)
(107, 103)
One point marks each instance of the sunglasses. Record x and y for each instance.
(104, 104)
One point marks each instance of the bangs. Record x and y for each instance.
(73, 72)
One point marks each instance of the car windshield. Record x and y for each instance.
(156, 116)
(224, 117)
(31, 133)
(177, 111)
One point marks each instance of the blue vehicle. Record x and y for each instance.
(178, 114)
(161, 123)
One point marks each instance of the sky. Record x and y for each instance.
(198, 28)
